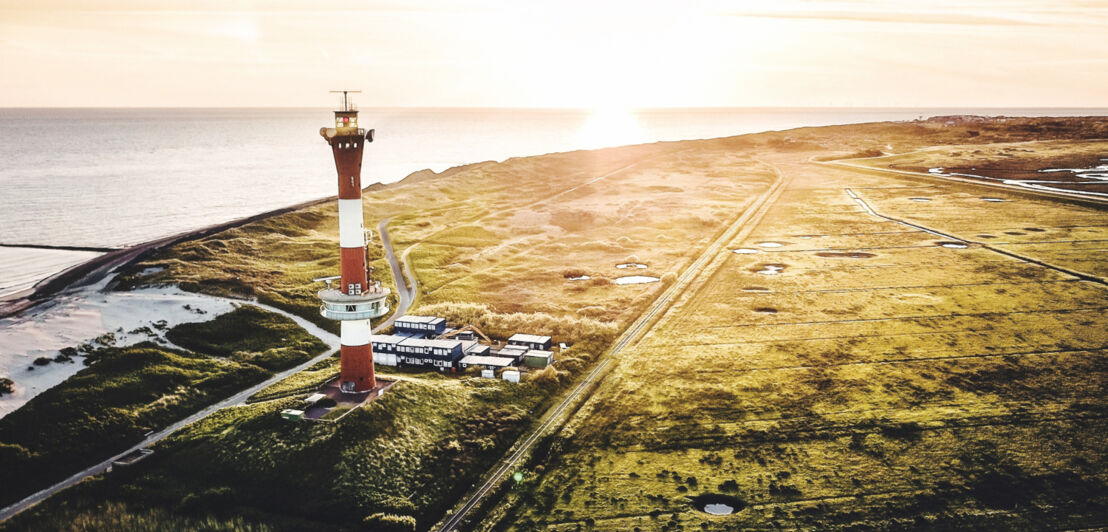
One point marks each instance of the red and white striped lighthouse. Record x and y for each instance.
(356, 301)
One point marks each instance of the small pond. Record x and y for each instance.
(770, 269)
(717, 504)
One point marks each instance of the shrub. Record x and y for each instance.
(547, 376)
(390, 523)
(6, 385)
(326, 402)
(669, 278)
(42, 361)
(212, 500)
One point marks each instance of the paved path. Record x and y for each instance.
(406, 296)
(407, 288)
(749, 217)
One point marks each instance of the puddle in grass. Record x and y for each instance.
(772, 244)
(769, 269)
(994, 200)
(745, 251)
(845, 255)
(717, 504)
(579, 278)
(151, 270)
(636, 279)
(953, 245)
(921, 200)
(631, 265)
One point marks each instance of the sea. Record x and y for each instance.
(106, 178)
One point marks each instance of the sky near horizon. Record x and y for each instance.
(581, 54)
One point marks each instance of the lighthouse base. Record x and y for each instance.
(357, 375)
(346, 401)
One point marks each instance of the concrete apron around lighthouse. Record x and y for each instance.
(356, 300)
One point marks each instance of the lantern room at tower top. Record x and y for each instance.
(346, 120)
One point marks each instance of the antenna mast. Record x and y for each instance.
(346, 99)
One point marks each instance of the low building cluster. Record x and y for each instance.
(426, 341)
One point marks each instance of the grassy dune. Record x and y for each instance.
(128, 391)
(893, 384)
(918, 387)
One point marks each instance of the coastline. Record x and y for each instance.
(97, 268)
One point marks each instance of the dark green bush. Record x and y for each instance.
(381, 522)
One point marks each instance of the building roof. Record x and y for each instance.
(513, 350)
(538, 353)
(387, 338)
(476, 347)
(429, 342)
(529, 338)
(315, 397)
(419, 319)
(499, 362)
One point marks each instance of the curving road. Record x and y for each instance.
(405, 289)
(407, 295)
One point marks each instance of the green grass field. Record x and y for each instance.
(908, 386)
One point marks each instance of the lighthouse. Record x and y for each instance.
(356, 300)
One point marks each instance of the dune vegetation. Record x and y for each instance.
(873, 379)
(850, 372)
(127, 391)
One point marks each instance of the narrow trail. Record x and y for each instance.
(1030, 260)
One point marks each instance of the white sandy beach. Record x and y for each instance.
(80, 316)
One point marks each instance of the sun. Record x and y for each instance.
(610, 126)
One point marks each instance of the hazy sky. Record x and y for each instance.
(590, 54)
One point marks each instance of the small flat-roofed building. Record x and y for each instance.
(538, 359)
(510, 375)
(530, 341)
(314, 398)
(513, 352)
(292, 414)
(384, 348)
(478, 349)
(484, 362)
(421, 326)
(441, 354)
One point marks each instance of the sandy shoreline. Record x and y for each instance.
(97, 268)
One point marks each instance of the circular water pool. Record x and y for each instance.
(717, 504)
